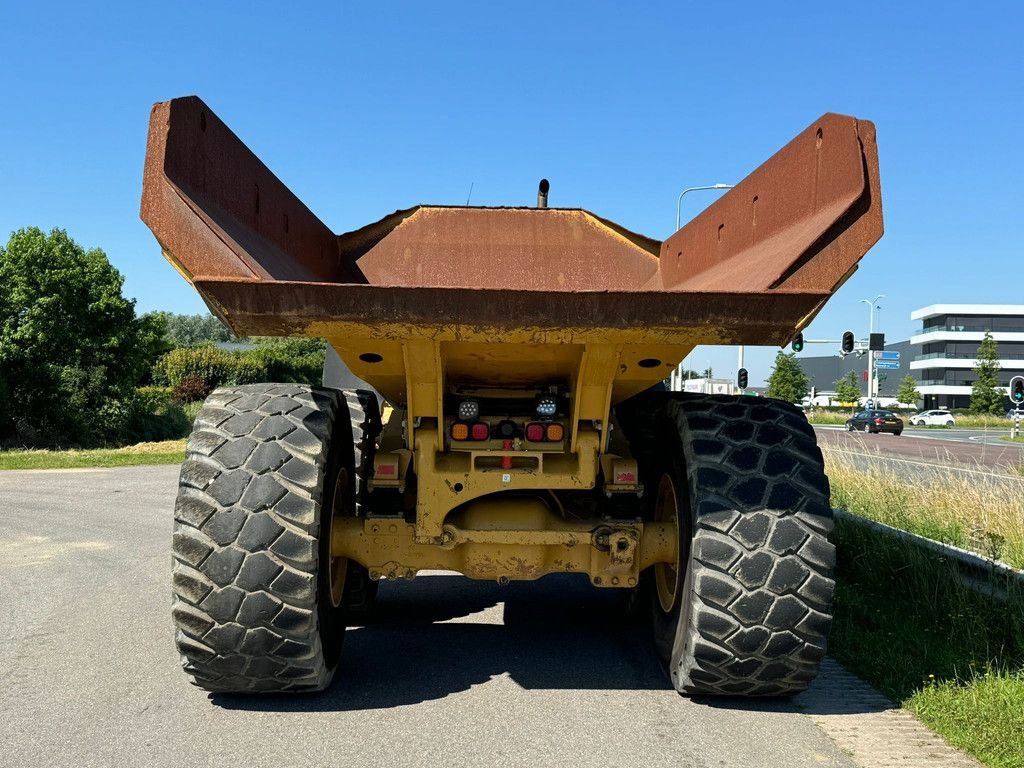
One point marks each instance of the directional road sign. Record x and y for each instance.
(886, 355)
(889, 364)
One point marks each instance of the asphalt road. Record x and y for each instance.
(453, 673)
(961, 449)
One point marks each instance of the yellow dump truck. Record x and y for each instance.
(508, 418)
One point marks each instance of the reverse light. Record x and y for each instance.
(481, 431)
(547, 406)
(460, 431)
(469, 410)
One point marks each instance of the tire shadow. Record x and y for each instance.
(556, 633)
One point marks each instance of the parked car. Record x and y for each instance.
(941, 418)
(876, 421)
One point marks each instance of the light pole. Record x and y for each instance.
(871, 329)
(679, 205)
(679, 202)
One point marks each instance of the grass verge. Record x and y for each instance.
(906, 623)
(167, 452)
(953, 507)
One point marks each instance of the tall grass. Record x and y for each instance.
(905, 622)
(983, 514)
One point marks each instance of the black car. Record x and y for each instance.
(876, 421)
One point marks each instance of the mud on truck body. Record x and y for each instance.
(511, 424)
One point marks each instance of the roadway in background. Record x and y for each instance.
(962, 449)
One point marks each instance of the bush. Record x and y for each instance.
(193, 372)
(191, 389)
(154, 416)
(212, 366)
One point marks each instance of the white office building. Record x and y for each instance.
(946, 347)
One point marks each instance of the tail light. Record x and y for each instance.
(878, 421)
(481, 431)
(541, 433)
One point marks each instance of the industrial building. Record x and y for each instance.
(946, 347)
(941, 355)
(824, 372)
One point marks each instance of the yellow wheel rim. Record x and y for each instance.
(666, 575)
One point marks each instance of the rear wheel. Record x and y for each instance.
(746, 607)
(259, 602)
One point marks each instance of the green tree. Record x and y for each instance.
(847, 389)
(195, 330)
(788, 381)
(71, 349)
(986, 394)
(907, 392)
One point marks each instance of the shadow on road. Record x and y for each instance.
(425, 643)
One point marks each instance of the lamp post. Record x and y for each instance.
(679, 202)
(678, 377)
(871, 329)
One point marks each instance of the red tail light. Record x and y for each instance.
(878, 421)
(535, 433)
(480, 431)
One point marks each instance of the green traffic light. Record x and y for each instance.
(798, 343)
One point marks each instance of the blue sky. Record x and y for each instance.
(365, 108)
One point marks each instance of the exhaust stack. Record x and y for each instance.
(542, 193)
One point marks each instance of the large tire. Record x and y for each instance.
(750, 608)
(364, 416)
(255, 607)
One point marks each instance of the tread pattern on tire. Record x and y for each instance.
(364, 415)
(762, 563)
(246, 526)
(761, 597)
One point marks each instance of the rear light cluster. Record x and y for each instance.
(536, 432)
(544, 433)
(478, 431)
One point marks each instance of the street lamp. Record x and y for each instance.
(679, 202)
(678, 377)
(871, 329)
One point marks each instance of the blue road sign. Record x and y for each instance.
(886, 355)
(888, 364)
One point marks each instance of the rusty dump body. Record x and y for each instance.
(753, 268)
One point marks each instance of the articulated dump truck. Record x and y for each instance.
(501, 410)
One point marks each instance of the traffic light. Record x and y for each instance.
(848, 341)
(1017, 390)
(876, 342)
(798, 343)
(741, 378)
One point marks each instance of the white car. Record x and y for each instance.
(924, 418)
